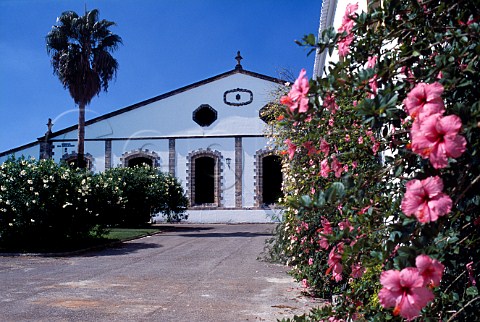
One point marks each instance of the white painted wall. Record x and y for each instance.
(172, 116)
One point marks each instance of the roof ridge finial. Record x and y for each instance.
(238, 58)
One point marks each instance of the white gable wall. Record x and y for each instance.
(172, 116)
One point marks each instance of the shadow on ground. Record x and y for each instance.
(118, 249)
(222, 235)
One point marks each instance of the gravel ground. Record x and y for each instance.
(189, 273)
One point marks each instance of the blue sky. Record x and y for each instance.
(166, 45)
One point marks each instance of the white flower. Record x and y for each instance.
(3, 188)
(7, 202)
(32, 220)
(66, 205)
(30, 181)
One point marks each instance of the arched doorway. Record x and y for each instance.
(268, 178)
(272, 179)
(204, 180)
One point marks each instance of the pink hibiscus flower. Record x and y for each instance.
(346, 26)
(347, 16)
(324, 147)
(310, 148)
(425, 200)
(292, 148)
(334, 261)
(357, 270)
(325, 230)
(344, 45)
(329, 103)
(404, 291)
(323, 242)
(324, 168)
(305, 283)
(327, 227)
(424, 100)
(436, 137)
(297, 97)
(336, 167)
(345, 225)
(371, 61)
(430, 269)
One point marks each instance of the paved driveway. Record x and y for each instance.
(191, 273)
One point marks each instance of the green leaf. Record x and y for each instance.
(306, 201)
(472, 291)
(319, 199)
(335, 192)
(376, 254)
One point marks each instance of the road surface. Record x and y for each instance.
(189, 273)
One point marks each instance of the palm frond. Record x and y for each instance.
(80, 48)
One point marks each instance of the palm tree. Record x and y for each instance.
(80, 48)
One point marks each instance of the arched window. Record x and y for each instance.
(204, 178)
(71, 158)
(268, 179)
(140, 157)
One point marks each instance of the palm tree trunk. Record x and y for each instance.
(81, 137)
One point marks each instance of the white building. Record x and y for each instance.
(331, 16)
(208, 134)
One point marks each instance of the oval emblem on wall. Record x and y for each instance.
(238, 97)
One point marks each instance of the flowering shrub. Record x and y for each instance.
(145, 192)
(382, 165)
(43, 202)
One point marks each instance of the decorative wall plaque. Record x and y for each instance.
(238, 97)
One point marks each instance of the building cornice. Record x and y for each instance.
(327, 17)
